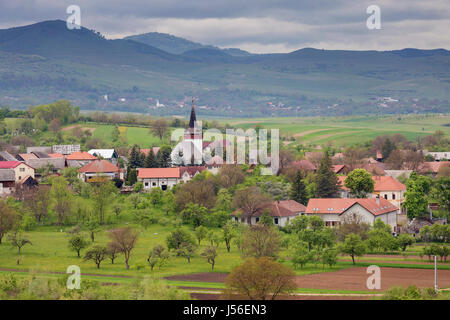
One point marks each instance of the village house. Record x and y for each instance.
(439, 156)
(99, 169)
(14, 173)
(107, 154)
(79, 159)
(385, 187)
(214, 164)
(432, 168)
(335, 210)
(187, 173)
(281, 212)
(163, 178)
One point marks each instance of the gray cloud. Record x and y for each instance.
(255, 25)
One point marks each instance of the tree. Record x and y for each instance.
(405, 240)
(113, 250)
(230, 175)
(62, 198)
(124, 239)
(8, 218)
(18, 240)
(194, 214)
(96, 254)
(159, 128)
(326, 180)
(360, 182)
(178, 237)
(39, 202)
(300, 254)
(158, 256)
(441, 192)
(353, 223)
(77, 243)
(93, 227)
(261, 241)
(298, 189)
(103, 191)
(416, 195)
(163, 158)
(259, 279)
(134, 160)
(210, 253)
(265, 219)
(250, 201)
(353, 246)
(200, 233)
(150, 160)
(55, 125)
(187, 250)
(228, 233)
(200, 192)
(329, 256)
(387, 148)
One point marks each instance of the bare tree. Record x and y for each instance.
(230, 175)
(159, 127)
(261, 241)
(124, 239)
(250, 200)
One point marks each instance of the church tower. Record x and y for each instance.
(194, 132)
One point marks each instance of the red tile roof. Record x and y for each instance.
(282, 208)
(9, 164)
(56, 155)
(191, 170)
(382, 183)
(340, 205)
(27, 156)
(338, 167)
(432, 167)
(99, 166)
(149, 173)
(80, 155)
(147, 151)
(304, 165)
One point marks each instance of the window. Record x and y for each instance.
(153, 183)
(393, 196)
(276, 220)
(257, 219)
(385, 196)
(22, 169)
(146, 184)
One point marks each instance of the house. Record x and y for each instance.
(385, 187)
(187, 173)
(398, 173)
(46, 150)
(26, 156)
(55, 164)
(304, 165)
(163, 178)
(439, 156)
(21, 170)
(65, 149)
(335, 211)
(6, 156)
(79, 159)
(432, 168)
(281, 212)
(107, 154)
(7, 181)
(341, 169)
(99, 169)
(214, 164)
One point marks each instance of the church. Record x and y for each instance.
(190, 150)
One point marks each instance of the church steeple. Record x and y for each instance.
(193, 118)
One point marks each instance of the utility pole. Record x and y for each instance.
(435, 275)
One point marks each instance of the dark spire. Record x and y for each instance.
(193, 117)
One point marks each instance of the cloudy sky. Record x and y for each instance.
(255, 25)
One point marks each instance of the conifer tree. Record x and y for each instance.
(298, 190)
(326, 180)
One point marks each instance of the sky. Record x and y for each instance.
(258, 26)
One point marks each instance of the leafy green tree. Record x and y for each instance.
(353, 246)
(327, 183)
(187, 250)
(360, 182)
(77, 243)
(163, 157)
(201, 233)
(265, 218)
(416, 195)
(103, 192)
(8, 218)
(228, 233)
(299, 253)
(177, 237)
(62, 198)
(405, 240)
(329, 256)
(93, 227)
(261, 241)
(158, 256)
(441, 192)
(96, 254)
(210, 253)
(194, 214)
(298, 189)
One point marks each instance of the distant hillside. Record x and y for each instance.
(46, 61)
(177, 45)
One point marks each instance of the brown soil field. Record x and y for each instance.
(201, 277)
(355, 279)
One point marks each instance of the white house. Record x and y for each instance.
(335, 210)
(163, 178)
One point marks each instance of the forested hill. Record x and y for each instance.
(43, 62)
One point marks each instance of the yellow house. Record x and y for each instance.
(21, 169)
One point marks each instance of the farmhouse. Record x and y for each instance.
(99, 169)
(335, 210)
(79, 159)
(163, 178)
(281, 212)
